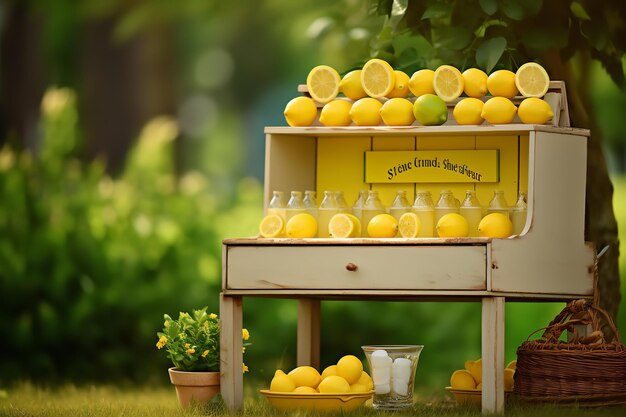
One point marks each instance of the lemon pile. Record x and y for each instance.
(471, 376)
(347, 376)
(376, 94)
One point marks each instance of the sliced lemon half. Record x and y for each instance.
(341, 226)
(409, 225)
(448, 82)
(532, 80)
(377, 78)
(272, 225)
(323, 83)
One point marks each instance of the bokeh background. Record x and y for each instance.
(131, 144)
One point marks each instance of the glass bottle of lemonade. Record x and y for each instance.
(295, 204)
(310, 203)
(328, 208)
(373, 206)
(277, 205)
(519, 213)
(342, 205)
(498, 204)
(357, 208)
(446, 204)
(400, 205)
(424, 208)
(471, 210)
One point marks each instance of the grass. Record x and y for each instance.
(94, 401)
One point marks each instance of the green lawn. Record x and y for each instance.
(95, 401)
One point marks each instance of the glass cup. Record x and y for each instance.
(392, 368)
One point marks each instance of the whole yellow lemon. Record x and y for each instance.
(350, 368)
(305, 376)
(502, 84)
(300, 111)
(495, 225)
(468, 111)
(334, 385)
(452, 225)
(336, 113)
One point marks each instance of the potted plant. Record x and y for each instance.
(192, 344)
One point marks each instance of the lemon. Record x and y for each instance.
(462, 379)
(448, 82)
(377, 78)
(401, 86)
(357, 224)
(430, 110)
(467, 111)
(351, 87)
(475, 82)
(350, 368)
(300, 111)
(334, 385)
(495, 225)
(468, 365)
(476, 370)
(534, 110)
(329, 370)
(341, 226)
(409, 225)
(366, 112)
(421, 82)
(509, 381)
(452, 225)
(271, 226)
(499, 110)
(336, 113)
(301, 226)
(397, 112)
(323, 83)
(532, 80)
(358, 388)
(366, 380)
(282, 383)
(512, 365)
(305, 390)
(305, 376)
(502, 84)
(382, 225)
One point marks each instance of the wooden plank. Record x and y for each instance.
(231, 355)
(552, 256)
(308, 345)
(257, 241)
(289, 165)
(508, 147)
(447, 142)
(340, 165)
(320, 267)
(485, 130)
(493, 354)
(387, 192)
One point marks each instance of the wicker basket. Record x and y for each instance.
(586, 369)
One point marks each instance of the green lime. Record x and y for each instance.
(430, 110)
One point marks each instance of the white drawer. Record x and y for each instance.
(393, 267)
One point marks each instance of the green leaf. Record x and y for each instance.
(453, 37)
(489, 6)
(437, 10)
(489, 52)
(579, 11)
(532, 7)
(513, 9)
(398, 9)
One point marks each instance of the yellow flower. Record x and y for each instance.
(206, 352)
(187, 345)
(206, 325)
(162, 341)
(191, 351)
(212, 316)
(166, 323)
(245, 368)
(243, 349)
(245, 334)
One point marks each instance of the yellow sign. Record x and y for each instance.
(432, 166)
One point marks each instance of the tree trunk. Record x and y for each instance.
(601, 225)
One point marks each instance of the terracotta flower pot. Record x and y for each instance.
(197, 386)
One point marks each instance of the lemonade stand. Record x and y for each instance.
(548, 260)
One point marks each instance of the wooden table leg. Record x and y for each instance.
(231, 355)
(308, 333)
(493, 354)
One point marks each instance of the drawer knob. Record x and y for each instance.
(351, 267)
